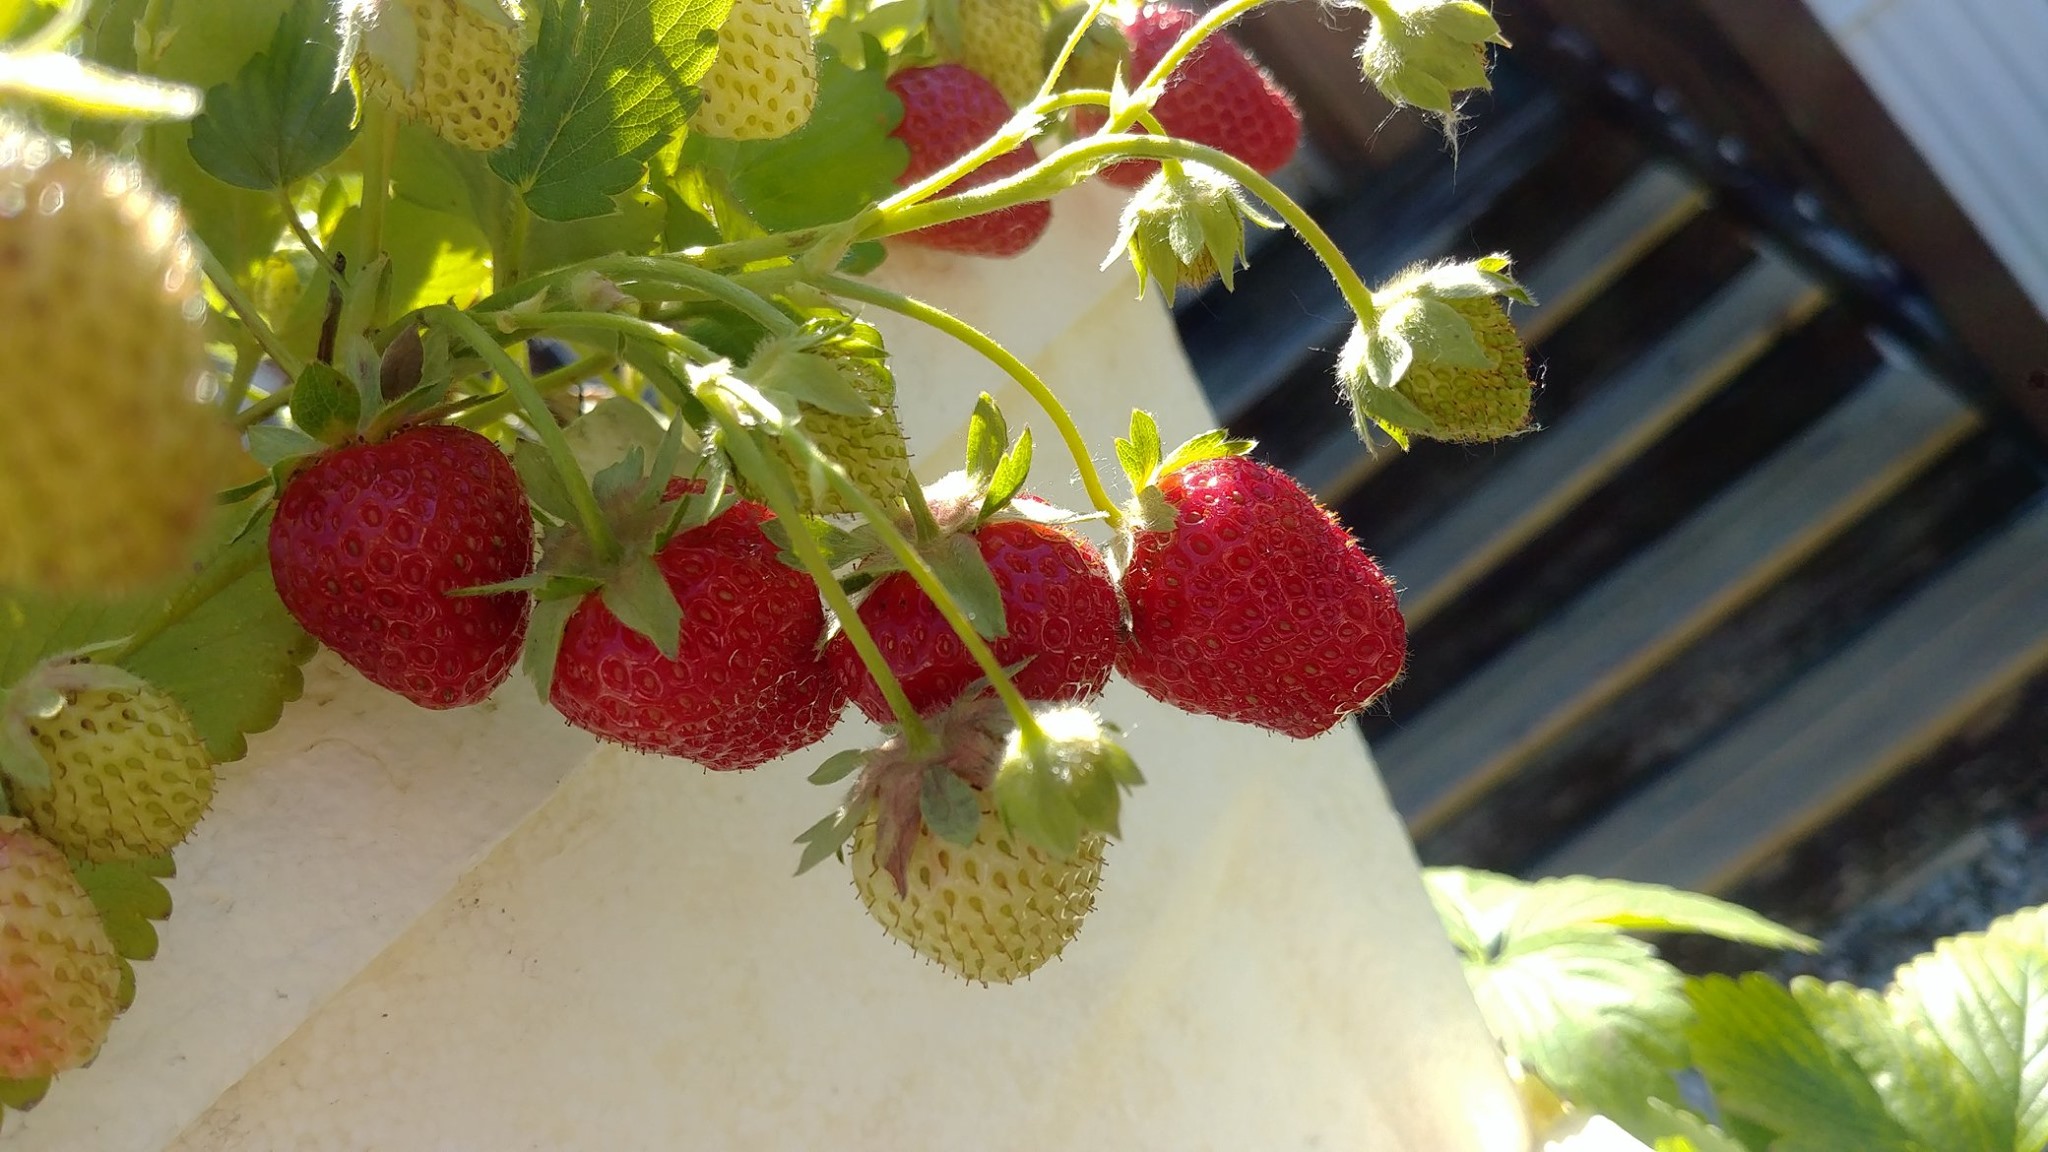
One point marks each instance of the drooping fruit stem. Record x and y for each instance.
(380, 133)
(975, 338)
(911, 561)
(1211, 22)
(669, 270)
(535, 408)
(1054, 172)
(1067, 50)
(224, 282)
(221, 572)
(568, 375)
(774, 487)
(307, 240)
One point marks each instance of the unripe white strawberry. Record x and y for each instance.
(108, 462)
(60, 979)
(453, 65)
(764, 81)
(995, 910)
(129, 776)
(1004, 40)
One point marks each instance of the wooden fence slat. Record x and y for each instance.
(1843, 729)
(1643, 613)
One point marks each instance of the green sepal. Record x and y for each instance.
(22, 1095)
(863, 258)
(540, 585)
(622, 483)
(1009, 476)
(1102, 55)
(827, 836)
(283, 117)
(840, 765)
(603, 436)
(1139, 453)
(1436, 331)
(128, 898)
(965, 575)
(1035, 803)
(544, 489)
(1211, 445)
(640, 596)
(840, 546)
(544, 629)
(21, 758)
(791, 369)
(950, 807)
(326, 405)
(988, 437)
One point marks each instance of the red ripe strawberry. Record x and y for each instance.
(1257, 605)
(1218, 96)
(949, 111)
(1058, 603)
(369, 540)
(749, 683)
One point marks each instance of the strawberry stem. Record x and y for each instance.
(774, 487)
(504, 403)
(975, 338)
(226, 567)
(380, 131)
(307, 239)
(669, 270)
(913, 563)
(1067, 50)
(1050, 174)
(252, 320)
(1212, 21)
(535, 408)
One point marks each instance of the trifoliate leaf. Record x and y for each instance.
(951, 809)
(607, 83)
(1580, 901)
(282, 118)
(1919, 1079)
(964, 573)
(128, 898)
(839, 162)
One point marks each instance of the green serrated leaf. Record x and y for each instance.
(1768, 1063)
(964, 573)
(607, 83)
(1009, 476)
(639, 595)
(325, 405)
(840, 765)
(1984, 998)
(282, 118)
(273, 444)
(988, 437)
(1579, 901)
(950, 807)
(544, 628)
(838, 163)
(1921, 1082)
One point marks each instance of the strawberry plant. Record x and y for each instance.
(466, 335)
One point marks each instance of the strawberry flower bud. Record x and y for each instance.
(1440, 358)
(1424, 53)
(1185, 227)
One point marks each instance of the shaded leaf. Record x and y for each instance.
(950, 807)
(282, 118)
(964, 573)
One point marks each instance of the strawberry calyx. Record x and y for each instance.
(1145, 463)
(42, 695)
(912, 786)
(1186, 227)
(1064, 780)
(1426, 53)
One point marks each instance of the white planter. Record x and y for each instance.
(396, 932)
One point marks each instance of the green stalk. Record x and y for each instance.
(508, 249)
(520, 385)
(1074, 38)
(975, 338)
(307, 239)
(1211, 21)
(661, 269)
(210, 582)
(251, 319)
(504, 403)
(783, 503)
(913, 563)
(380, 129)
(1040, 180)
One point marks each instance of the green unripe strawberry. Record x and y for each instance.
(1471, 404)
(108, 463)
(453, 65)
(1004, 40)
(129, 775)
(1441, 359)
(994, 911)
(60, 979)
(764, 81)
(868, 445)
